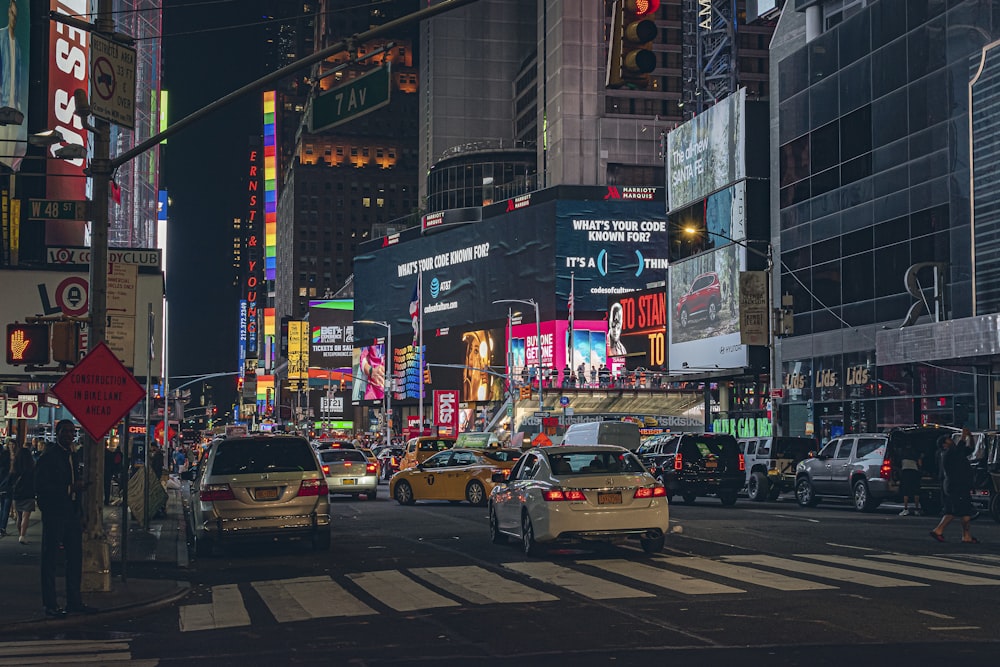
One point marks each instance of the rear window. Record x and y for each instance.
(587, 463)
(793, 448)
(702, 446)
(503, 455)
(435, 445)
(341, 455)
(254, 456)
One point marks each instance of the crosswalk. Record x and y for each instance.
(370, 593)
(75, 652)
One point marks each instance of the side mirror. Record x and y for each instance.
(420, 467)
(498, 477)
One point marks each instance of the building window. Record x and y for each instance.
(366, 202)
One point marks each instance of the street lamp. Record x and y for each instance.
(538, 341)
(387, 382)
(769, 257)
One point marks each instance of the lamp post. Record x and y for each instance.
(769, 257)
(388, 381)
(538, 341)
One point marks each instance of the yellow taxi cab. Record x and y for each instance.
(503, 458)
(370, 455)
(421, 448)
(454, 474)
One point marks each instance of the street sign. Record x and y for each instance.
(56, 209)
(99, 391)
(354, 98)
(23, 407)
(112, 80)
(777, 393)
(541, 414)
(564, 400)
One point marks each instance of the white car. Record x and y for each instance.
(593, 492)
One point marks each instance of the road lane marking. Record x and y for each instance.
(661, 578)
(823, 571)
(848, 546)
(304, 598)
(927, 612)
(396, 590)
(578, 582)
(905, 570)
(746, 574)
(479, 586)
(936, 561)
(52, 652)
(225, 611)
(950, 628)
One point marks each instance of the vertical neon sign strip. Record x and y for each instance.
(270, 188)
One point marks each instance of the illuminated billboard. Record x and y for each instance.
(15, 47)
(708, 152)
(642, 329)
(331, 333)
(369, 364)
(704, 313)
(270, 220)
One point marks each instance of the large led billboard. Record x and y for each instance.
(331, 333)
(15, 46)
(708, 152)
(704, 313)
(638, 326)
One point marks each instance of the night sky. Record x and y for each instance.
(203, 168)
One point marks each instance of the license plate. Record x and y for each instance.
(609, 498)
(711, 464)
(349, 481)
(269, 493)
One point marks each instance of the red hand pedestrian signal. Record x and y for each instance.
(28, 344)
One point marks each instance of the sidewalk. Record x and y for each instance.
(164, 543)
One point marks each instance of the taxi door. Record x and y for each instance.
(460, 471)
(431, 482)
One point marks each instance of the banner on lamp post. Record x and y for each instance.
(753, 308)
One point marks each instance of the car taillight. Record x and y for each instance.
(313, 487)
(371, 467)
(678, 462)
(213, 492)
(743, 463)
(651, 492)
(885, 472)
(347, 464)
(395, 461)
(559, 494)
(326, 470)
(506, 472)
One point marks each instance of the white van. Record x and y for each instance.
(623, 434)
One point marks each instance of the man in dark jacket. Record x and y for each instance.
(57, 490)
(957, 487)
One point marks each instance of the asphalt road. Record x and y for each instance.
(759, 583)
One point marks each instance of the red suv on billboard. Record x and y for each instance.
(704, 297)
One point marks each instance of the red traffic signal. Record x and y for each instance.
(630, 55)
(28, 344)
(643, 7)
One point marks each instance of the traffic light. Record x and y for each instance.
(65, 342)
(427, 375)
(28, 344)
(525, 392)
(630, 56)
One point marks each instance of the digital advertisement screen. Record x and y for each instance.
(369, 370)
(704, 311)
(643, 328)
(331, 333)
(708, 152)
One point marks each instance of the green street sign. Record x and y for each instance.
(54, 209)
(351, 100)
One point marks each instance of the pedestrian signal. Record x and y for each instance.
(28, 344)
(525, 392)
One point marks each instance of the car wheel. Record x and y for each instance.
(475, 493)
(728, 498)
(203, 547)
(757, 487)
(404, 494)
(863, 501)
(321, 540)
(372, 495)
(713, 312)
(652, 545)
(689, 498)
(495, 535)
(684, 318)
(805, 494)
(528, 544)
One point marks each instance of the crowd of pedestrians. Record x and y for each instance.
(596, 377)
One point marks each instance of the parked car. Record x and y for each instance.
(572, 493)
(704, 297)
(770, 464)
(259, 486)
(420, 449)
(865, 468)
(696, 464)
(350, 472)
(454, 474)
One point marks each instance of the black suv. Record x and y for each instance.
(695, 464)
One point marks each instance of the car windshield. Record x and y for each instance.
(593, 462)
(341, 455)
(254, 456)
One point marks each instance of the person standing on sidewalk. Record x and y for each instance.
(957, 488)
(22, 489)
(909, 479)
(5, 496)
(58, 491)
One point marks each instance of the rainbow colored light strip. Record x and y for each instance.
(270, 218)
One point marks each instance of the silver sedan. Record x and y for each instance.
(348, 471)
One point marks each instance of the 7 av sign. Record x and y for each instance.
(347, 102)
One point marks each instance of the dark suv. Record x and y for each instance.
(865, 468)
(695, 464)
(704, 297)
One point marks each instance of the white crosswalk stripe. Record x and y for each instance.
(308, 597)
(578, 582)
(822, 571)
(905, 570)
(479, 586)
(656, 576)
(397, 591)
(936, 561)
(70, 652)
(745, 574)
(225, 611)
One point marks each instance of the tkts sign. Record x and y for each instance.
(446, 412)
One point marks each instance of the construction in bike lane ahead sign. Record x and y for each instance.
(99, 391)
(112, 80)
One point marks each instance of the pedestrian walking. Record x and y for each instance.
(909, 479)
(58, 491)
(957, 489)
(113, 460)
(5, 496)
(22, 489)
